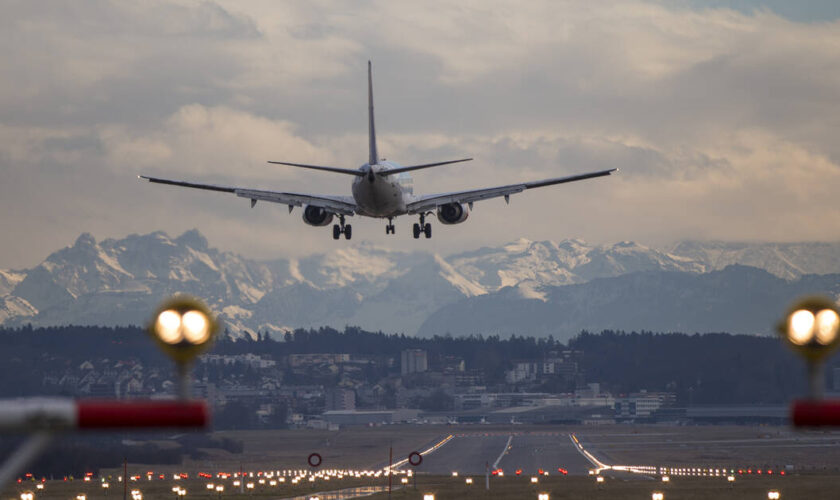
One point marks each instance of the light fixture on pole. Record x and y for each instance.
(811, 328)
(183, 328)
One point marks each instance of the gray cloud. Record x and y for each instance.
(724, 123)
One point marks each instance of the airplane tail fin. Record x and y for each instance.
(374, 156)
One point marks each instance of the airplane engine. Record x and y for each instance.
(452, 213)
(316, 216)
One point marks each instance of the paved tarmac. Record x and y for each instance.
(469, 453)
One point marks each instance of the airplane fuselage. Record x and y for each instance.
(380, 195)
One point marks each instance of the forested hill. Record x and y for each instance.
(701, 369)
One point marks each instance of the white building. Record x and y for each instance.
(413, 361)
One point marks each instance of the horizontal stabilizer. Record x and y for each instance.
(347, 171)
(418, 167)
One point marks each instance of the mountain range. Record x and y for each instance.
(523, 287)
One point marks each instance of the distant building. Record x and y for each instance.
(253, 360)
(642, 404)
(340, 399)
(371, 417)
(565, 365)
(102, 390)
(300, 360)
(413, 361)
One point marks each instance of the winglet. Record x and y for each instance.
(373, 158)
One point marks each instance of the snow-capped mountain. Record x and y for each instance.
(120, 281)
(736, 299)
(785, 260)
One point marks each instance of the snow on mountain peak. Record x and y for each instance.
(193, 239)
(118, 281)
(463, 284)
(85, 240)
(518, 246)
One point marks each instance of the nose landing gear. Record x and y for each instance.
(423, 227)
(390, 229)
(342, 228)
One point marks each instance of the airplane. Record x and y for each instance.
(381, 189)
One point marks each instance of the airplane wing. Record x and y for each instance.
(431, 202)
(338, 204)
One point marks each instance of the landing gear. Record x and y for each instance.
(390, 229)
(343, 228)
(423, 227)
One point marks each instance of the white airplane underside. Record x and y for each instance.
(380, 189)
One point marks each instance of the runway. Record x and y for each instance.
(471, 453)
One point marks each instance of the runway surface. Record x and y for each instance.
(470, 453)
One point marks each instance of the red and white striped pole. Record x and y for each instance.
(815, 413)
(49, 414)
(44, 416)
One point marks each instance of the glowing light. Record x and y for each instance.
(542, 496)
(428, 496)
(599, 479)
(534, 480)
(666, 479)
(468, 480)
(827, 325)
(657, 495)
(773, 495)
(169, 327)
(801, 327)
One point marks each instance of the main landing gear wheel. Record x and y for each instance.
(423, 227)
(342, 228)
(389, 229)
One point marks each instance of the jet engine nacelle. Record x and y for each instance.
(452, 213)
(316, 216)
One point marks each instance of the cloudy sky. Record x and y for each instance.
(724, 120)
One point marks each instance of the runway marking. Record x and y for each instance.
(429, 450)
(507, 445)
(588, 456)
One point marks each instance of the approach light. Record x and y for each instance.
(811, 328)
(183, 327)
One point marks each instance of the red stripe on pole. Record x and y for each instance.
(825, 413)
(141, 414)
